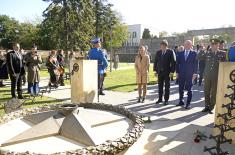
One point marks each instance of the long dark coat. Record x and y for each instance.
(32, 63)
(3, 68)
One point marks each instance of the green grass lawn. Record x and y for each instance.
(44, 73)
(125, 80)
(5, 95)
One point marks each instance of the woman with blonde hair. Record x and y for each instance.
(142, 68)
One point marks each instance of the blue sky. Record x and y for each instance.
(22, 9)
(158, 15)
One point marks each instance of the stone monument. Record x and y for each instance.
(225, 79)
(79, 128)
(84, 80)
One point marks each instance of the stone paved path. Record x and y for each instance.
(129, 100)
(171, 131)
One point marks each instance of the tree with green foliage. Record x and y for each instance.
(81, 20)
(69, 24)
(146, 34)
(10, 31)
(29, 35)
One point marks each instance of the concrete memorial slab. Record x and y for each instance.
(63, 125)
(84, 79)
(226, 78)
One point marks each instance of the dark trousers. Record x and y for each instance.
(210, 90)
(164, 80)
(187, 84)
(53, 77)
(201, 72)
(100, 82)
(61, 79)
(16, 82)
(23, 79)
(33, 88)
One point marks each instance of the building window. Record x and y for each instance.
(133, 34)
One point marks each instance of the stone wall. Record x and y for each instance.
(154, 44)
(126, 53)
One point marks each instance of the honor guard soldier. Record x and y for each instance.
(212, 57)
(96, 53)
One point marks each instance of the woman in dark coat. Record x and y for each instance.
(33, 59)
(3, 69)
(53, 68)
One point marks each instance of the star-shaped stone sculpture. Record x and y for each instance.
(65, 122)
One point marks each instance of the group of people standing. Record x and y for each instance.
(16, 63)
(185, 63)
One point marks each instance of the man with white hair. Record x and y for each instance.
(186, 72)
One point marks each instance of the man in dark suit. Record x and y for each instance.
(164, 64)
(186, 71)
(15, 66)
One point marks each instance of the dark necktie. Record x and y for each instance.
(163, 53)
(186, 55)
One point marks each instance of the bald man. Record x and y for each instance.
(186, 72)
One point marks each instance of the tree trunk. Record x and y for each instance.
(66, 29)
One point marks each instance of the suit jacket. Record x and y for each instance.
(186, 68)
(15, 63)
(164, 64)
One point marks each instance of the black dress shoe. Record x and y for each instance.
(20, 97)
(180, 104)
(143, 99)
(159, 101)
(205, 110)
(139, 99)
(209, 111)
(166, 103)
(102, 93)
(187, 107)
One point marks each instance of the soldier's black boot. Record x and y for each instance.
(205, 110)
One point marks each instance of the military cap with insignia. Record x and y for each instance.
(222, 41)
(95, 41)
(215, 41)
